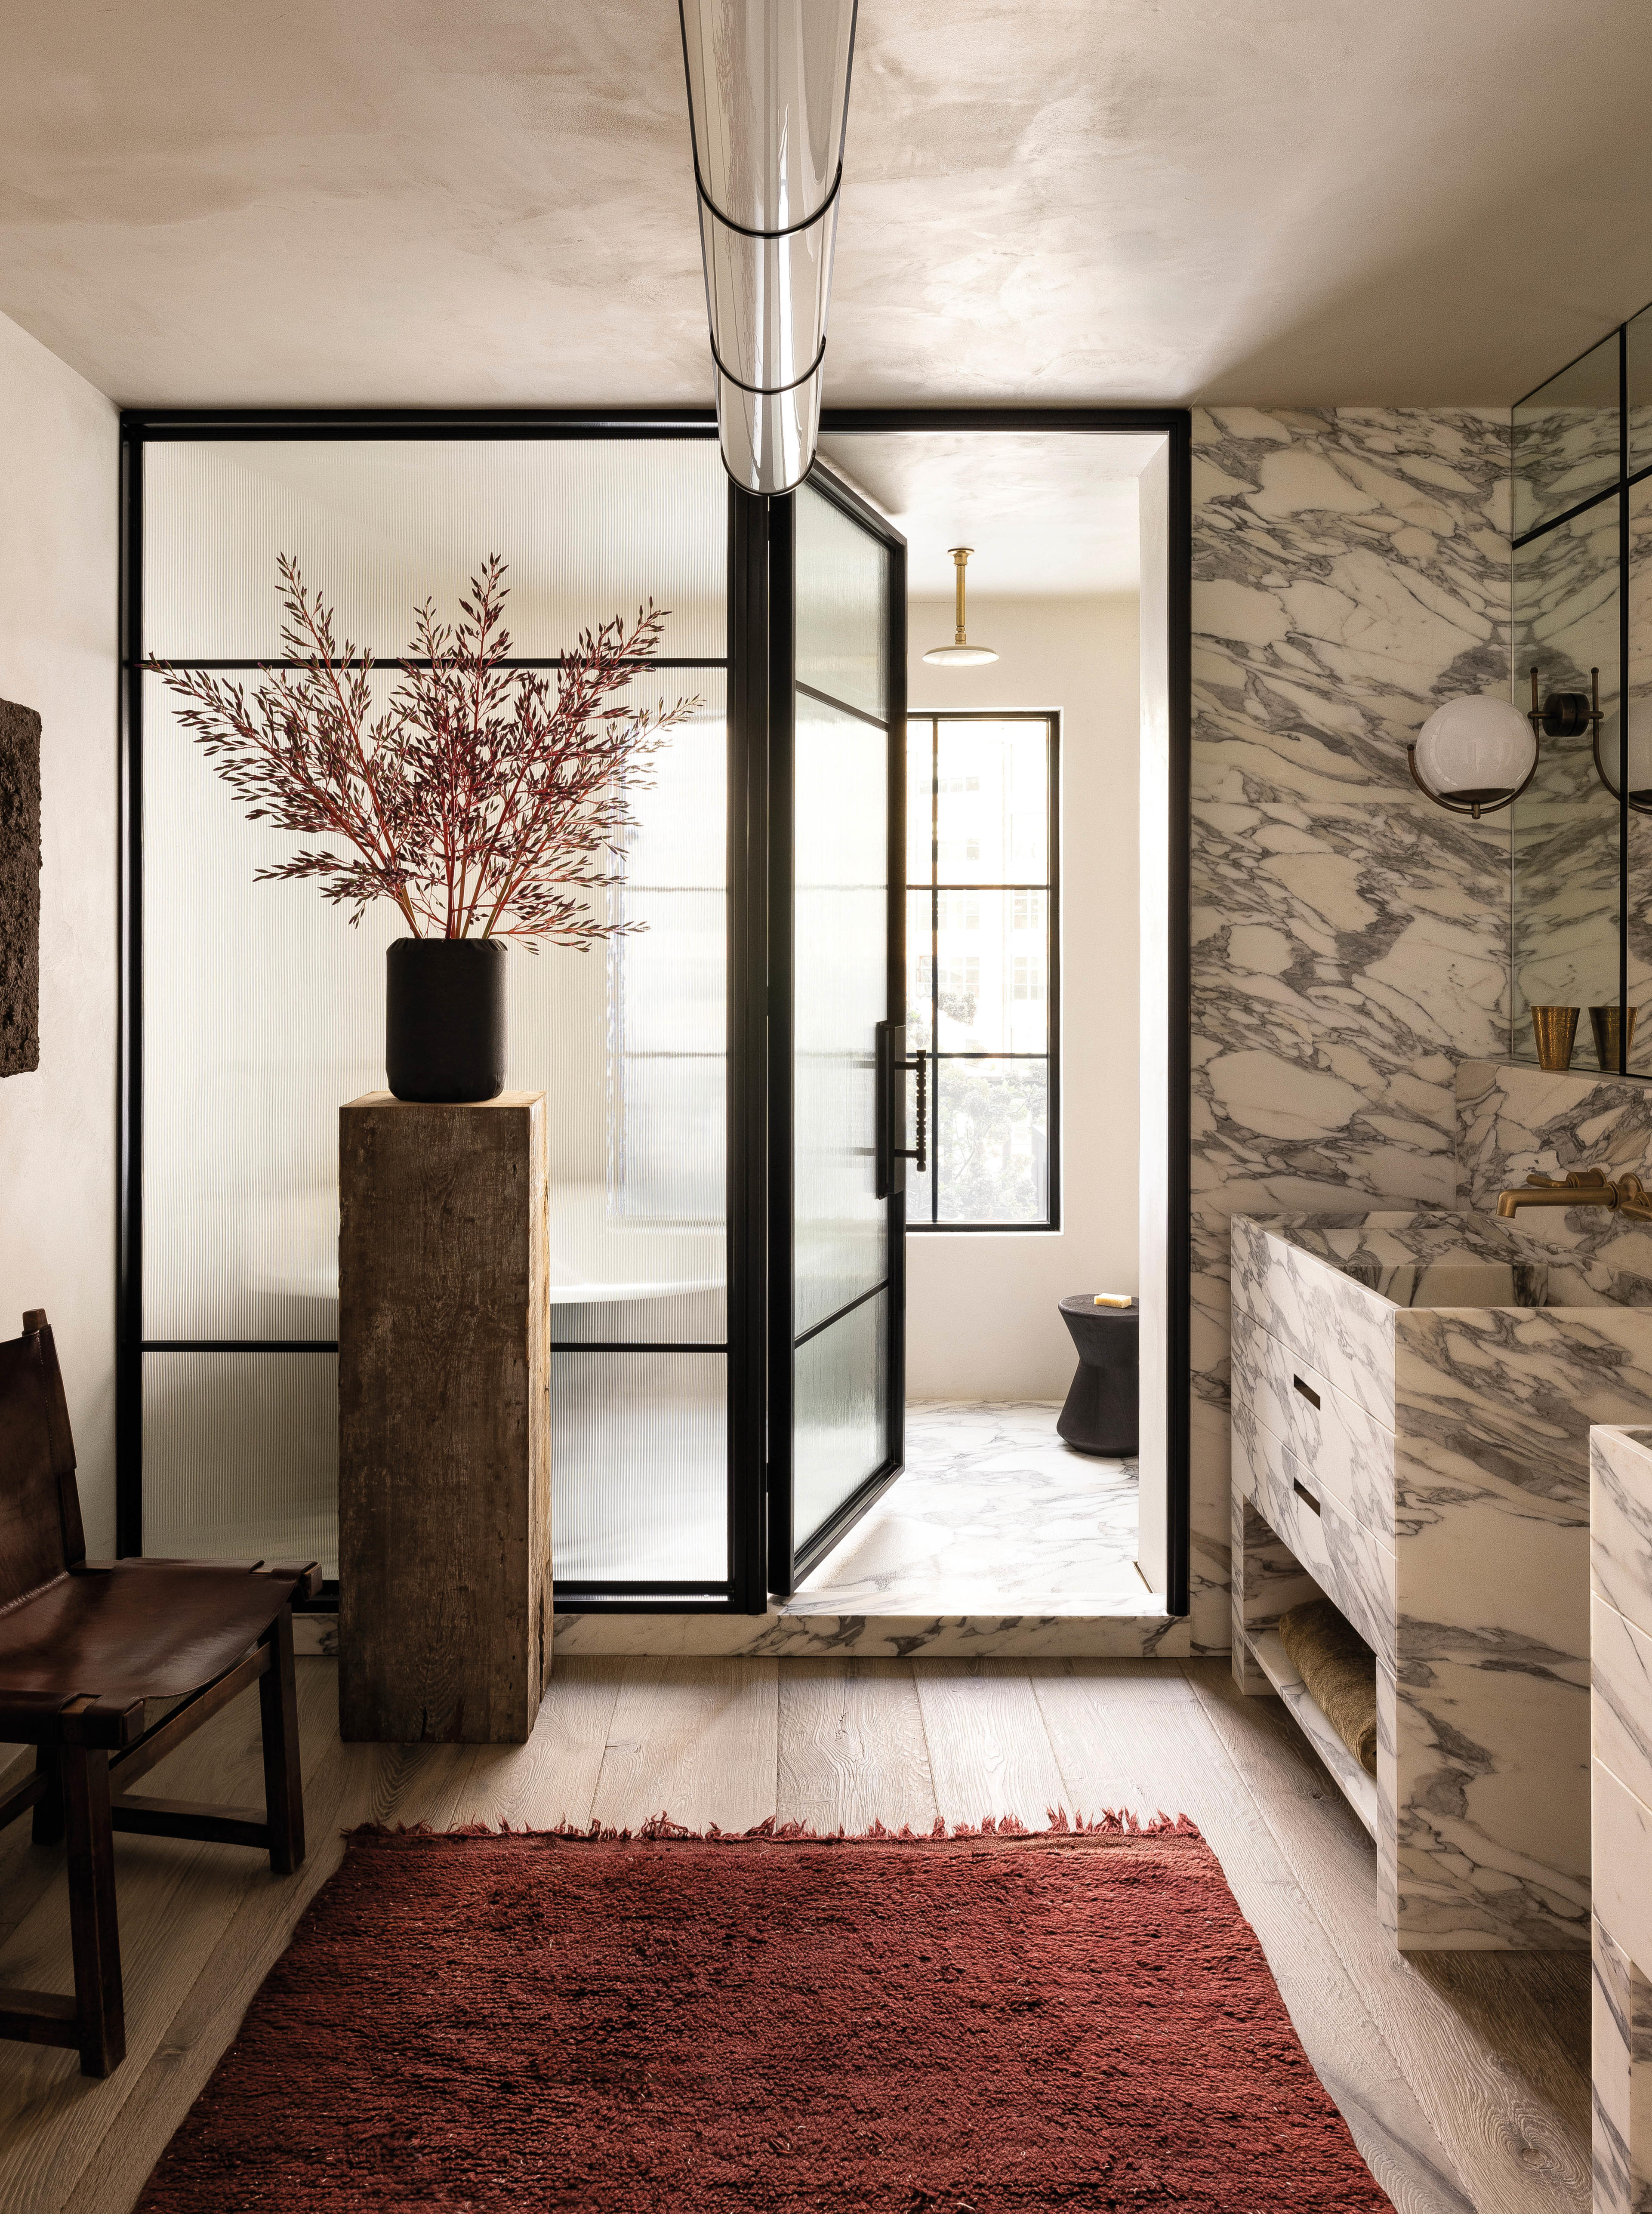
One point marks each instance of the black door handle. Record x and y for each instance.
(892, 1064)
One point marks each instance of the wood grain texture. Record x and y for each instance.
(549, 1782)
(444, 1549)
(1485, 2046)
(1433, 2080)
(989, 1753)
(1098, 1722)
(695, 1739)
(852, 1750)
(175, 1904)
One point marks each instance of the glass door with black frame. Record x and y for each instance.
(838, 1320)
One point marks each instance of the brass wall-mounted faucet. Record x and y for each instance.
(1579, 1187)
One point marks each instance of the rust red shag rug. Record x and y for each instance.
(775, 2026)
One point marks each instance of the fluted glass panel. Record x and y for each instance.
(241, 1457)
(263, 1011)
(840, 994)
(590, 528)
(842, 591)
(842, 1390)
(640, 1467)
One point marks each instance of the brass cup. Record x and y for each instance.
(1606, 1023)
(1555, 1029)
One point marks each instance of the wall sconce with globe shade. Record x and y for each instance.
(1475, 755)
(1574, 711)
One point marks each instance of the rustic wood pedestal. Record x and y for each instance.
(445, 1498)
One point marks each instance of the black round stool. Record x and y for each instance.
(1101, 1411)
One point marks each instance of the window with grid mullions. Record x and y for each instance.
(983, 967)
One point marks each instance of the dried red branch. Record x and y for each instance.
(479, 798)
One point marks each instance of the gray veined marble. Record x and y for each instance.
(1620, 1522)
(997, 1539)
(1351, 572)
(1620, 1552)
(1472, 1586)
(1513, 1120)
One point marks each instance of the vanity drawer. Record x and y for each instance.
(1343, 1450)
(1320, 1312)
(1353, 1569)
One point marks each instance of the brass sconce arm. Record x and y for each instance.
(1579, 1187)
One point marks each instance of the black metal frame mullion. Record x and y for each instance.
(935, 971)
(782, 736)
(129, 1140)
(749, 699)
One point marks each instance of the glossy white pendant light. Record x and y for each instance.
(960, 654)
(768, 100)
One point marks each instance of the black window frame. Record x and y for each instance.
(1051, 890)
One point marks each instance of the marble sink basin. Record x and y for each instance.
(1428, 1260)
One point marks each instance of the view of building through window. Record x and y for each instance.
(981, 966)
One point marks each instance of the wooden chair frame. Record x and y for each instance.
(90, 1752)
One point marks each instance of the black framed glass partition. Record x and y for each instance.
(256, 1010)
(694, 1157)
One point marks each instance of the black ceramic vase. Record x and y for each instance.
(444, 1019)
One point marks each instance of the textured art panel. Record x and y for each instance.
(1349, 940)
(19, 889)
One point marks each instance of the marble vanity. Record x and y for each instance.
(1411, 1421)
(1620, 1602)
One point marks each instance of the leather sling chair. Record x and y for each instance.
(83, 1644)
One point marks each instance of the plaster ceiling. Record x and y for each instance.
(1047, 513)
(1279, 201)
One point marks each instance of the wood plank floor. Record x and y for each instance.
(1463, 2078)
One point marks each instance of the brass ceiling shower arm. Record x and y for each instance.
(960, 651)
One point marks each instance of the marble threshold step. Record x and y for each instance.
(804, 1631)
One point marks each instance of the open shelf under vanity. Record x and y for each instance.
(1267, 1649)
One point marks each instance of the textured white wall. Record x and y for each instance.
(59, 466)
(982, 1319)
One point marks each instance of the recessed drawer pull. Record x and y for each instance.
(1307, 1391)
(1303, 1493)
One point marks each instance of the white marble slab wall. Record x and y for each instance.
(1351, 573)
(1513, 1120)
(1620, 1558)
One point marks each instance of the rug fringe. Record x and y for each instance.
(661, 1829)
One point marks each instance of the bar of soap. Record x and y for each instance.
(1112, 1298)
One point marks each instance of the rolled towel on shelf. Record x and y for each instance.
(1339, 1670)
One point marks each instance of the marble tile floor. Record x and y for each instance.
(993, 1515)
